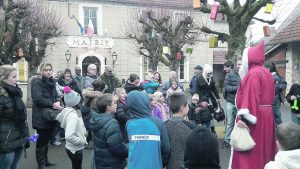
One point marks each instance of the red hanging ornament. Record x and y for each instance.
(178, 56)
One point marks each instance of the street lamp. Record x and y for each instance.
(68, 56)
(114, 57)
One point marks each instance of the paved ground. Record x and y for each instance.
(58, 153)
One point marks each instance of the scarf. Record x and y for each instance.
(50, 82)
(16, 94)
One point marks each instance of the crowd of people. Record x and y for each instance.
(150, 124)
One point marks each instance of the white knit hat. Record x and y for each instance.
(71, 97)
(207, 69)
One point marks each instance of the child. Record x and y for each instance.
(173, 88)
(149, 85)
(122, 115)
(203, 114)
(288, 141)
(201, 150)
(177, 128)
(109, 149)
(70, 119)
(155, 111)
(163, 107)
(149, 145)
(192, 108)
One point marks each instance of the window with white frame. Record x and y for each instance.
(183, 71)
(144, 64)
(90, 12)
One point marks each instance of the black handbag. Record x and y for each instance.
(49, 114)
(219, 114)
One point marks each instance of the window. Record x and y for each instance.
(145, 66)
(90, 13)
(183, 71)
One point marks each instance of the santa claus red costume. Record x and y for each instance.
(254, 99)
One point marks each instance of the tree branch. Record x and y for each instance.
(222, 36)
(222, 9)
(271, 22)
(256, 6)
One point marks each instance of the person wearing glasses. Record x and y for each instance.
(91, 76)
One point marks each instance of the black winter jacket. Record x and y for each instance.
(13, 131)
(44, 94)
(109, 150)
(122, 117)
(295, 90)
(230, 86)
(204, 90)
(130, 87)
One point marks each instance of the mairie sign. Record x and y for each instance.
(82, 42)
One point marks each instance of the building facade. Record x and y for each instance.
(110, 20)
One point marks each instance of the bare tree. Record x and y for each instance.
(29, 26)
(161, 27)
(239, 17)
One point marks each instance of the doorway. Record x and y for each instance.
(90, 60)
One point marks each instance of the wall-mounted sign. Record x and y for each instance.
(83, 42)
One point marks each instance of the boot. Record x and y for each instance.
(47, 162)
(40, 157)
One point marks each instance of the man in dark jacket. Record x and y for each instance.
(110, 80)
(293, 97)
(44, 96)
(149, 146)
(193, 84)
(230, 87)
(280, 85)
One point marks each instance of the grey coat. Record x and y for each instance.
(177, 140)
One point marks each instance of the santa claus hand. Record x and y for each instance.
(241, 124)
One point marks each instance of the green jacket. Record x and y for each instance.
(111, 82)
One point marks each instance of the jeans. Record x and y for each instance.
(56, 130)
(11, 160)
(76, 159)
(296, 118)
(231, 113)
(277, 111)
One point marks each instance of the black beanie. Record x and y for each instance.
(201, 150)
(229, 64)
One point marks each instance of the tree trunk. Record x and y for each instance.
(237, 39)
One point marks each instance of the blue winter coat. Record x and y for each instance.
(109, 150)
(231, 85)
(150, 86)
(149, 146)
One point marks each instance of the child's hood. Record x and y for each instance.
(98, 120)
(62, 117)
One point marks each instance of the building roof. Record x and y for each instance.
(172, 4)
(290, 29)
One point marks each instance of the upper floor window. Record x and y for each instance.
(90, 12)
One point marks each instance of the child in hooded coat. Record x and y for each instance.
(75, 133)
(288, 141)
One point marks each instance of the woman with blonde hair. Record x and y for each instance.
(121, 114)
(13, 119)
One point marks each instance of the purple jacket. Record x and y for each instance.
(155, 111)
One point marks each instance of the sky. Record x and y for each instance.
(281, 10)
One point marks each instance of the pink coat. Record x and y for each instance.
(256, 93)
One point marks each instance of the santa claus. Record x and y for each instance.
(253, 100)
